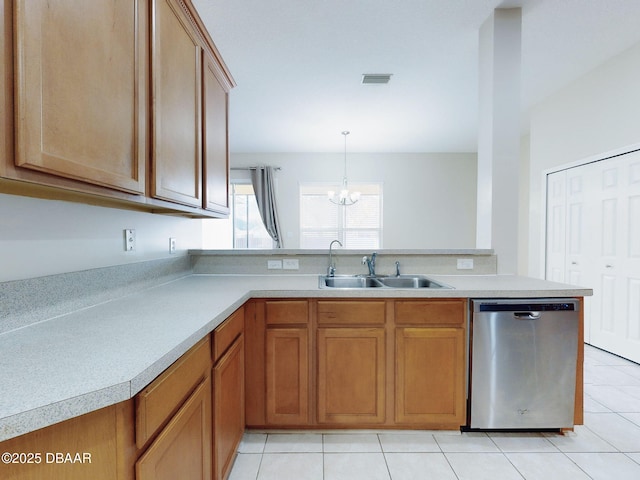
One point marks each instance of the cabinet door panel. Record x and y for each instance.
(281, 312)
(430, 367)
(431, 311)
(163, 396)
(215, 152)
(287, 376)
(176, 71)
(228, 408)
(81, 90)
(96, 433)
(183, 449)
(351, 312)
(225, 334)
(351, 375)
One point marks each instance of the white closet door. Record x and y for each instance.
(616, 322)
(593, 240)
(556, 232)
(580, 225)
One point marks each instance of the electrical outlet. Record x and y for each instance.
(290, 264)
(274, 264)
(465, 264)
(129, 240)
(172, 245)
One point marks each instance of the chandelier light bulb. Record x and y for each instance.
(345, 198)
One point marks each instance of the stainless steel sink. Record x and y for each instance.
(362, 281)
(411, 281)
(349, 281)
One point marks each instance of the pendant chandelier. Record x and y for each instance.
(344, 197)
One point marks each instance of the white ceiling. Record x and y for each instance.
(298, 66)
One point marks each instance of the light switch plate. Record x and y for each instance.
(129, 240)
(290, 264)
(274, 264)
(465, 264)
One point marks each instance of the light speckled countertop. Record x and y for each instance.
(101, 355)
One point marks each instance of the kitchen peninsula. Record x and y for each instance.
(94, 357)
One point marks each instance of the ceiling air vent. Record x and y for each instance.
(376, 78)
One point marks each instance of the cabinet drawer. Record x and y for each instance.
(448, 311)
(287, 311)
(227, 332)
(184, 447)
(351, 312)
(156, 403)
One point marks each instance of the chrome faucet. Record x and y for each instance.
(371, 263)
(331, 269)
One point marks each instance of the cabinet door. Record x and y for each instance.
(228, 408)
(351, 375)
(287, 376)
(176, 73)
(430, 373)
(81, 95)
(99, 443)
(183, 448)
(216, 137)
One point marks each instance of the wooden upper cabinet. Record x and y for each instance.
(80, 90)
(6, 92)
(176, 60)
(215, 151)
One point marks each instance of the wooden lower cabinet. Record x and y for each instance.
(430, 377)
(278, 371)
(351, 375)
(101, 445)
(356, 363)
(183, 449)
(228, 408)
(287, 376)
(161, 398)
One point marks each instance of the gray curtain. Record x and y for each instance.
(262, 179)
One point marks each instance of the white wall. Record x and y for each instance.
(45, 237)
(598, 113)
(499, 136)
(429, 199)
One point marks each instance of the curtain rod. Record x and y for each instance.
(252, 168)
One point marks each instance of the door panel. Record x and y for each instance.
(176, 62)
(602, 246)
(351, 375)
(81, 95)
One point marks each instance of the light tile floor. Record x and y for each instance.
(607, 447)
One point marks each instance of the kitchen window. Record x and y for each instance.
(357, 226)
(248, 229)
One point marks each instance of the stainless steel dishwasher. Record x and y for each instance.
(523, 363)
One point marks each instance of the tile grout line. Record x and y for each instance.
(384, 456)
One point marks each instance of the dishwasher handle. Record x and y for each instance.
(527, 315)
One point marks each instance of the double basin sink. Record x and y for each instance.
(379, 281)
